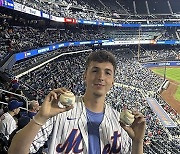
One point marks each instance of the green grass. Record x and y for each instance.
(173, 74)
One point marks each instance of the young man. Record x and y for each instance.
(7, 122)
(90, 126)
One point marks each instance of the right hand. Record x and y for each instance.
(50, 107)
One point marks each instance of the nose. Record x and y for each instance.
(101, 76)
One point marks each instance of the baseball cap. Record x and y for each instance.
(14, 104)
(15, 86)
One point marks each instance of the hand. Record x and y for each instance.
(50, 107)
(137, 130)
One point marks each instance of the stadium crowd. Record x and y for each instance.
(22, 66)
(14, 39)
(69, 8)
(115, 10)
(133, 85)
(157, 54)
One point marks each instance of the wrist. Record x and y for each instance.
(137, 141)
(39, 120)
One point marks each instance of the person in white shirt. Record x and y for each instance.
(7, 122)
(90, 126)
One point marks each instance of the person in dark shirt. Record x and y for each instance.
(33, 108)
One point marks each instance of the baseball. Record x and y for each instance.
(126, 117)
(66, 99)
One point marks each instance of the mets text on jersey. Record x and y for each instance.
(74, 139)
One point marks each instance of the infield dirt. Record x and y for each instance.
(168, 96)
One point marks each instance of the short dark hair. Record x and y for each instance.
(101, 56)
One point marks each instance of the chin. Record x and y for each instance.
(99, 94)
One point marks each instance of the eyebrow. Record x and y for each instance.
(106, 69)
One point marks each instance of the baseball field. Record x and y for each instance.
(173, 75)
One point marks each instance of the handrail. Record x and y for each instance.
(19, 107)
(2, 90)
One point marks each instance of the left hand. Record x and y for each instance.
(137, 130)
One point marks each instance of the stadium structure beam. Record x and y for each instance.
(170, 8)
(134, 7)
(147, 7)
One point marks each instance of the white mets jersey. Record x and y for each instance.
(7, 124)
(67, 133)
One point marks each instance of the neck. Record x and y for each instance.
(94, 104)
(33, 111)
(11, 113)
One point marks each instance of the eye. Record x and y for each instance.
(108, 73)
(94, 70)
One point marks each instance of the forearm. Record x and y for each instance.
(137, 147)
(23, 139)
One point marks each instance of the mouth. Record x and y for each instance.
(99, 85)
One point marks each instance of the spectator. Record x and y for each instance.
(33, 108)
(8, 123)
(22, 121)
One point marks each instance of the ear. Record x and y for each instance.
(14, 110)
(84, 76)
(112, 82)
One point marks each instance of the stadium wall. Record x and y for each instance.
(160, 64)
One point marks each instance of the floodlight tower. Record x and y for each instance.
(139, 41)
(165, 58)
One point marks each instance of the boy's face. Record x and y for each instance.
(99, 78)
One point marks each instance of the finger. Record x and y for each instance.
(142, 120)
(53, 95)
(124, 125)
(60, 90)
(139, 115)
(135, 112)
(50, 97)
(67, 108)
(65, 89)
(128, 129)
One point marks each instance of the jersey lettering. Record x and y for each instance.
(71, 143)
(108, 149)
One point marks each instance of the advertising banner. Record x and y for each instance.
(44, 15)
(31, 11)
(168, 42)
(127, 42)
(34, 52)
(17, 6)
(8, 4)
(70, 20)
(88, 22)
(161, 64)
